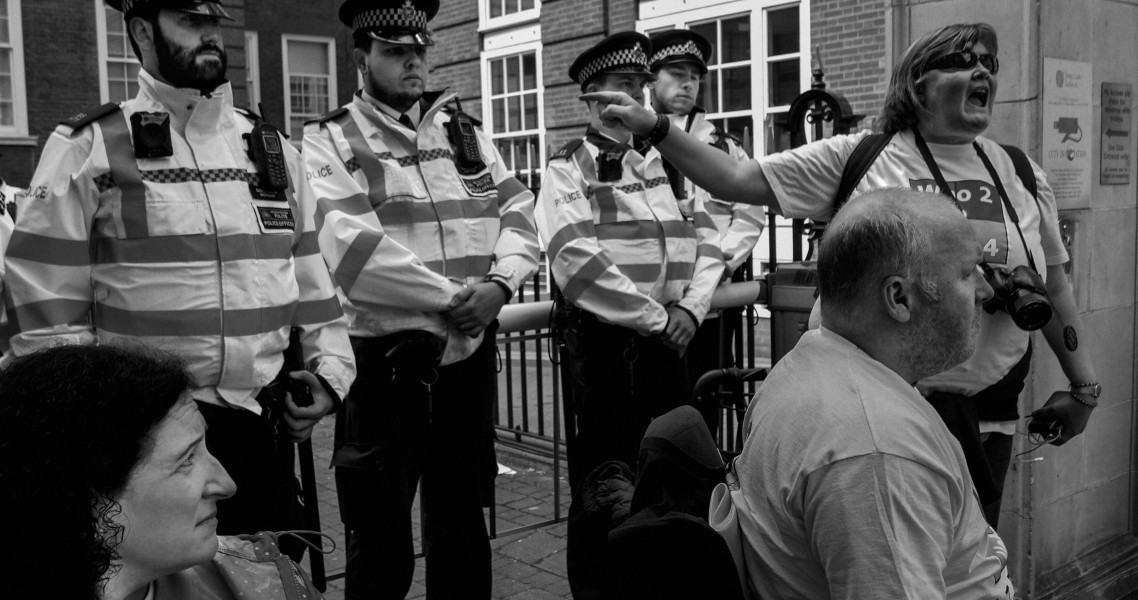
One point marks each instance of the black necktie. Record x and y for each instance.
(406, 121)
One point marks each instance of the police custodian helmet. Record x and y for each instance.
(402, 22)
(210, 8)
(622, 53)
(677, 46)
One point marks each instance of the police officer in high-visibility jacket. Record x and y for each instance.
(428, 236)
(637, 269)
(679, 60)
(158, 221)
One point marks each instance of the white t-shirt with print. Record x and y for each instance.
(805, 181)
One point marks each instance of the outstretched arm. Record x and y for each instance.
(707, 167)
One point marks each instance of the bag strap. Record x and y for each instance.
(1024, 171)
(858, 164)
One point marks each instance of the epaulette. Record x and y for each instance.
(567, 150)
(247, 113)
(329, 116)
(87, 117)
(453, 110)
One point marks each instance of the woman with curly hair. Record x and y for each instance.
(109, 489)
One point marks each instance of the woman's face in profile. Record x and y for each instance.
(169, 504)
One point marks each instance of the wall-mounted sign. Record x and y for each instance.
(1067, 133)
(1114, 155)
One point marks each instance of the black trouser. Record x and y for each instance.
(620, 381)
(393, 431)
(988, 456)
(260, 460)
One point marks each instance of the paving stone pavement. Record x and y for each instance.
(528, 565)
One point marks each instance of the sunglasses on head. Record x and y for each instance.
(965, 59)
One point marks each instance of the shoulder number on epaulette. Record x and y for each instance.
(568, 149)
(329, 116)
(87, 117)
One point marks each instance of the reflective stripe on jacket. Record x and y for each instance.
(175, 252)
(623, 249)
(402, 230)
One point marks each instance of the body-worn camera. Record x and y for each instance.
(1021, 293)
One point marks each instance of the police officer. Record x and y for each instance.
(149, 222)
(637, 270)
(428, 236)
(679, 60)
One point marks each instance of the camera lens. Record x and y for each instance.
(1031, 311)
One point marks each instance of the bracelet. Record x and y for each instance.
(1077, 396)
(1083, 385)
(659, 130)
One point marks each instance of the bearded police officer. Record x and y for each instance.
(151, 222)
(637, 269)
(679, 60)
(427, 235)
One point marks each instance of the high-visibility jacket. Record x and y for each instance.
(622, 248)
(739, 225)
(403, 230)
(174, 252)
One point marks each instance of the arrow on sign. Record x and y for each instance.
(1116, 133)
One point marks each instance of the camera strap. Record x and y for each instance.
(942, 184)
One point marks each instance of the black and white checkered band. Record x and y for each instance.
(687, 48)
(406, 17)
(127, 5)
(634, 56)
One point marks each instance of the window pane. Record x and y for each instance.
(497, 77)
(514, 115)
(708, 96)
(783, 81)
(504, 148)
(513, 77)
(308, 58)
(529, 69)
(782, 29)
(736, 88)
(740, 127)
(7, 114)
(530, 111)
(708, 30)
(495, 8)
(736, 39)
(521, 154)
(527, 4)
(499, 115)
(5, 35)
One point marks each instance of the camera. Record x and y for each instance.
(1021, 293)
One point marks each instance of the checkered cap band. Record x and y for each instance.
(406, 17)
(687, 48)
(202, 7)
(634, 56)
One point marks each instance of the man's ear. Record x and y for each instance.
(897, 298)
(142, 30)
(360, 58)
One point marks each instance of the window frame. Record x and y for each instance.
(333, 101)
(104, 53)
(253, 68)
(19, 126)
(487, 23)
(487, 56)
(662, 14)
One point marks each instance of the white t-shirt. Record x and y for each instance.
(854, 488)
(805, 181)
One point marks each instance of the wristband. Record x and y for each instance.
(659, 130)
(1078, 398)
(505, 288)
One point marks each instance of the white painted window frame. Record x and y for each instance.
(19, 126)
(253, 69)
(333, 102)
(104, 55)
(488, 23)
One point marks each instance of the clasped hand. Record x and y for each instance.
(475, 307)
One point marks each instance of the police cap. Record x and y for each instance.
(679, 45)
(623, 53)
(402, 22)
(210, 8)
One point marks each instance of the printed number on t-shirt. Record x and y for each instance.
(982, 206)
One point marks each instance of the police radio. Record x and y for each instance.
(265, 147)
(460, 130)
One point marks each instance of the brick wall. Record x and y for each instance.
(852, 36)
